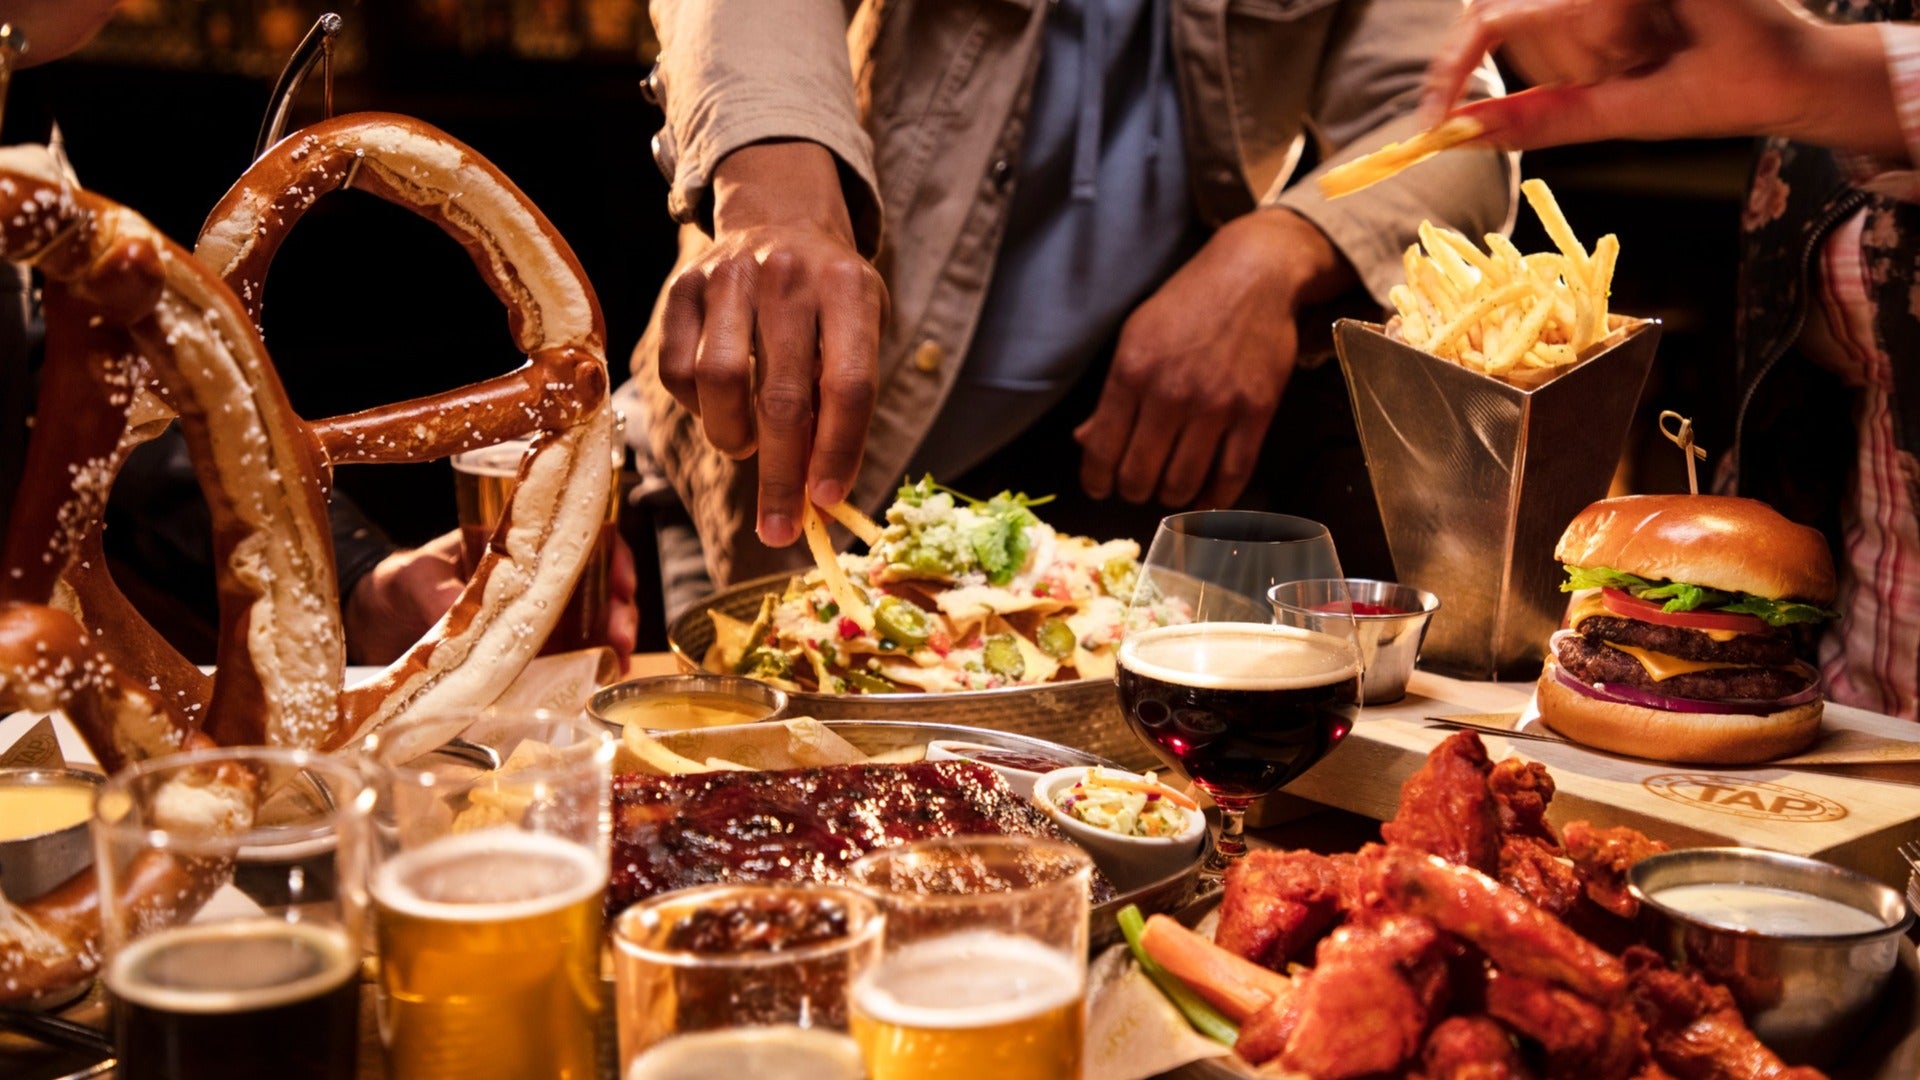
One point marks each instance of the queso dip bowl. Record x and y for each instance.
(43, 828)
(1806, 947)
(686, 703)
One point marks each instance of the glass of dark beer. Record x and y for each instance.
(232, 888)
(1235, 703)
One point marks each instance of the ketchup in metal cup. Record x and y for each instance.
(1360, 607)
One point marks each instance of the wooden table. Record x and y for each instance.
(1359, 784)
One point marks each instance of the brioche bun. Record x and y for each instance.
(1684, 737)
(1718, 541)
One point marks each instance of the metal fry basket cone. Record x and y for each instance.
(1476, 480)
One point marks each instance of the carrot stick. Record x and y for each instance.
(1122, 783)
(1236, 986)
(1205, 1019)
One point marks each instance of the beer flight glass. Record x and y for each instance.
(489, 870)
(257, 972)
(747, 980)
(1235, 703)
(983, 972)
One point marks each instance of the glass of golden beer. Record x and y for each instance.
(752, 977)
(483, 483)
(232, 890)
(489, 869)
(984, 969)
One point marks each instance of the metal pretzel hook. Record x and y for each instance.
(316, 46)
(13, 42)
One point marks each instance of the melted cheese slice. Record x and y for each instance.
(1586, 604)
(1662, 666)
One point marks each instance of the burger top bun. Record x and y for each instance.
(1717, 541)
(1683, 737)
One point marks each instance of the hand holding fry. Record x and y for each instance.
(1669, 69)
(1512, 316)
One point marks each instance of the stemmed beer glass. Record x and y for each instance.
(1237, 704)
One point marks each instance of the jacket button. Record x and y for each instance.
(650, 86)
(928, 356)
(1002, 175)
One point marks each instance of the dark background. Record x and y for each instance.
(367, 304)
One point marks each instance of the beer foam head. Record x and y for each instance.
(776, 1052)
(225, 967)
(973, 979)
(501, 460)
(488, 876)
(1240, 656)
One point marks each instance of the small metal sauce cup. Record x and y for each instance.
(1805, 996)
(1389, 644)
(32, 866)
(768, 702)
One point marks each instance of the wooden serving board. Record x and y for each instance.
(1823, 812)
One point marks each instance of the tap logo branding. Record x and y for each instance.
(1745, 798)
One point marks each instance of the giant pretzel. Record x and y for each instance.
(140, 331)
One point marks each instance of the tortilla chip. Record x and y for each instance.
(1037, 667)
(1094, 663)
(731, 639)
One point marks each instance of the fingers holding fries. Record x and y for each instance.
(1512, 316)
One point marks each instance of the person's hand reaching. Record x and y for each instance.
(1669, 69)
(772, 336)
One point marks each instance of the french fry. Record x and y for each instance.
(1504, 313)
(1540, 197)
(1471, 315)
(1369, 169)
(1524, 338)
(1605, 254)
(852, 604)
(857, 523)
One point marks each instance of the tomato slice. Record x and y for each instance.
(1632, 607)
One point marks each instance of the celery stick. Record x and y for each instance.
(1205, 1019)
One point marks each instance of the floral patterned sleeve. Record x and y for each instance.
(1897, 180)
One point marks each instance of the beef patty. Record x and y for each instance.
(1593, 662)
(1773, 648)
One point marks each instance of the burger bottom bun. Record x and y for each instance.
(1690, 738)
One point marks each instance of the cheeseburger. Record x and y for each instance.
(1678, 648)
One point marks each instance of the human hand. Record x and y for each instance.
(394, 604)
(1201, 365)
(783, 285)
(1666, 69)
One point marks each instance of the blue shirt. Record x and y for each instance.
(1100, 216)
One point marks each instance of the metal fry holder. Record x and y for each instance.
(1476, 480)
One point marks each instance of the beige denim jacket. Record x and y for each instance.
(924, 101)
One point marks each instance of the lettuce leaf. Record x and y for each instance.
(1001, 543)
(1680, 596)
